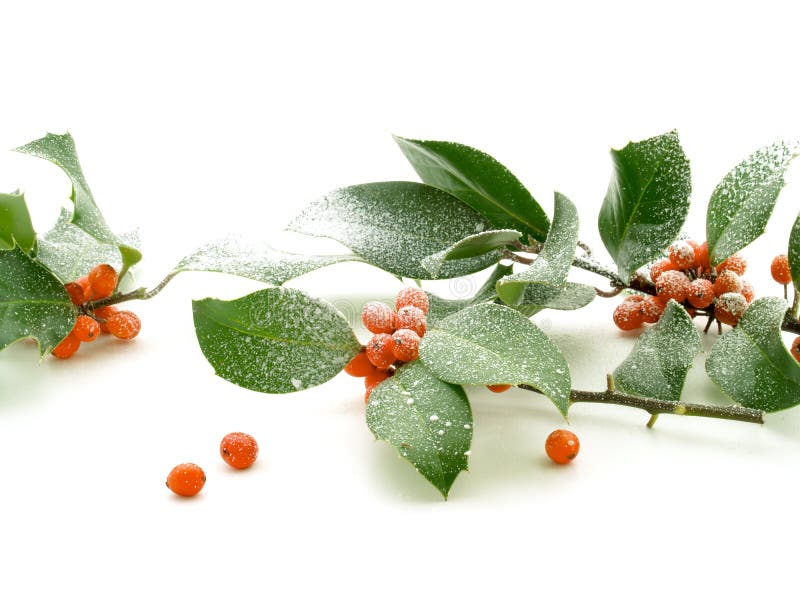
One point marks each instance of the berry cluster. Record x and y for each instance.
(100, 283)
(396, 340)
(687, 277)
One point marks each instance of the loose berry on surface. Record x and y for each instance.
(239, 450)
(67, 347)
(499, 388)
(86, 329)
(562, 446)
(780, 269)
(405, 345)
(628, 315)
(727, 282)
(103, 281)
(186, 479)
(124, 324)
(701, 293)
(380, 350)
(681, 254)
(411, 317)
(412, 296)
(673, 285)
(378, 317)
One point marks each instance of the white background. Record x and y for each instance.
(195, 119)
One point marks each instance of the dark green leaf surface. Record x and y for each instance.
(571, 296)
(552, 265)
(15, 223)
(256, 260)
(794, 252)
(33, 303)
(394, 225)
(659, 362)
(428, 421)
(742, 203)
(473, 245)
(490, 344)
(646, 202)
(478, 180)
(60, 150)
(441, 308)
(275, 340)
(750, 362)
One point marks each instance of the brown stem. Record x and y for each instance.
(137, 294)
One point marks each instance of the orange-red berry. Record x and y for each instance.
(562, 446)
(86, 329)
(659, 267)
(735, 263)
(681, 254)
(360, 365)
(499, 388)
(701, 293)
(780, 269)
(727, 282)
(673, 285)
(103, 281)
(378, 317)
(701, 260)
(405, 345)
(729, 308)
(412, 296)
(124, 324)
(652, 309)
(747, 291)
(380, 350)
(372, 381)
(628, 315)
(796, 348)
(186, 479)
(239, 450)
(411, 317)
(76, 292)
(102, 314)
(67, 347)
(633, 298)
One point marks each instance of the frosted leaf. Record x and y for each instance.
(410, 428)
(570, 297)
(256, 260)
(275, 340)
(16, 228)
(659, 362)
(441, 308)
(470, 246)
(395, 225)
(490, 344)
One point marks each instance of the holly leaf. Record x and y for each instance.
(428, 421)
(490, 344)
(659, 362)
(571, 296)
(16, 227)
(478, 180)
(794, 252)
(33, 303)
(441, 308)
(256, 260)
(470, 246)
(750, 362)
(646, 202)
(742, 202)
(394, 225)
(276, 340)
(60, 150)
(69, 252)
(552, 265)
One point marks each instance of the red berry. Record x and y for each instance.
(360, 365)
(628, 315)
(378, 317)
(411, 317)
(379, 350)
(102, 315)
(67, 347)
(372, 381)
(86, 329)
(633, 298)
(780, 269)
(672, 285)
(186, 479)
(735, 263)
(77, 292)
(412, 296)
(729, 308)
(796, 348)
(652, 309)
(659, 267)
(727, 282)
(681, 254)
(747, 291)
(562, 446)
(239, 450)
(701, 293)
(405, 345)
(103, 281)
(124, 324)
(701, 261)
(499, 388)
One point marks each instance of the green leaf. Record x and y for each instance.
(441, 308)
(256, 260)
(33, 303)
(478, 180)
(60, 150)
(646, 202)
(470, 246)
(794, 252)
(428, 421)
(659, 362)
(742, 203)
(15, 223)
(750, 362)
(490, 344)
(570, 297)
(69, 252)
(394, 225)
(275, 340)
(552, 265)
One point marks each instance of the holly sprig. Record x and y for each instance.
(468, 214)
